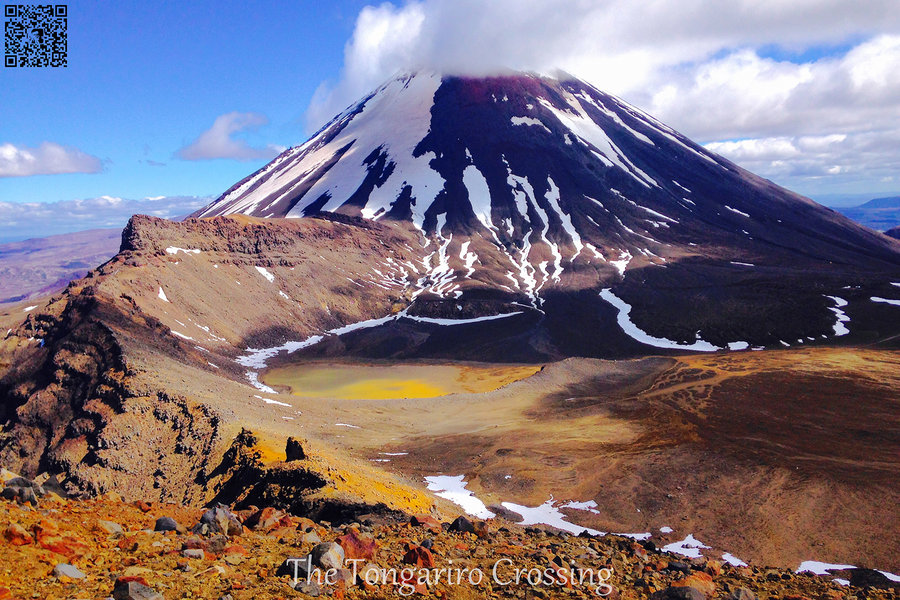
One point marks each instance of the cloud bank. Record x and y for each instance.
(774, 73)
(46, 159)
(19, 221)
(219, 142)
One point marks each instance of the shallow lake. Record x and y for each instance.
(404, 380)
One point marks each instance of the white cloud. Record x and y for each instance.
(218, 140)
(46, 159)
(702, 66)
(21, 220)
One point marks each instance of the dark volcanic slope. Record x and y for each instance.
(545, 192)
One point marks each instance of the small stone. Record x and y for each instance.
(310, 588)
(142, 506)
(427, 543)
(328, 555)
(741, 594)
(311, 538)
(167, 524)
(194, 553)
(67, 570)
(113, 529)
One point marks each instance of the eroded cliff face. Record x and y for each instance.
(127, 380)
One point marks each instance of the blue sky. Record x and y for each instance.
(146, 78)
(804, 92)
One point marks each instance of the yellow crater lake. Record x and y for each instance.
(383, 382)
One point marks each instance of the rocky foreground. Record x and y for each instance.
(54, 547)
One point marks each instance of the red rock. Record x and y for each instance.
(699, 581)
(419, 557)
(130, 578)
(408, 579)
(46, 528)
(143, 506)
(426, 521)
(70, 547)
(235, 549)
(358, 546)
(264, 519)
(304, 524)
(5, 594)
(16, 535)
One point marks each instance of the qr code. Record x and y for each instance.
(35, 35)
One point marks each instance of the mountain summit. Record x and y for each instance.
(540, 189)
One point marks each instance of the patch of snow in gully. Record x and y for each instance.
(547, 513)
(265, 273)
(634, 332)
(885, 300)
(162, 295)
(733, 560)
(689, 546)
(453, 488)
(839, 327)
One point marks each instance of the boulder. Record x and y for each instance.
(678, 593)
(357, 545)
(113, 529)
(134, 588)
(328, 555)
(741, 594)
(16, 535)
(462, 525)
(67, 570)
(219, 520)
(294, 450)
(419, 557)
(870, 578)
(426, 521)
(699, 581)
(295, 567)
(168, 524)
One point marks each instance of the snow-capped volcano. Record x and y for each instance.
(528, 186)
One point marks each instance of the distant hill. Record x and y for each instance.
(894, 233)
(881, 213)
(41, 266)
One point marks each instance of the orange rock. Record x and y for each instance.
(304, 524)
(264, 519)
(426, 521)
(419, 557)
(46, 528)
(235, 549)
(5, 593)
(134, 578)
(357, 546)
(700, 581)
(17, 536)
(143, 506)
(68, 546)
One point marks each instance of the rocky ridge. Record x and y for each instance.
(54, 547)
